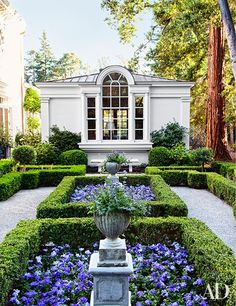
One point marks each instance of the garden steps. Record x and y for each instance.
(214, 212)
(21, 206)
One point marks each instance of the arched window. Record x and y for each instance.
(115, 107)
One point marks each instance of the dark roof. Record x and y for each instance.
(92, 78)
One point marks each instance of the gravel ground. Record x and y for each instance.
(20, 206)
(215, 213)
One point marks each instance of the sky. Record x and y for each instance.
(77, 26)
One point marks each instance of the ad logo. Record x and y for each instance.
(219, 292)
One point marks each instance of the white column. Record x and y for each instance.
(131, 117)
(45, 118)
(185, 117)
(146, 117)
(98, 118)
(84, 118)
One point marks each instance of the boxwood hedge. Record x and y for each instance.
(6, 166)
(56, 204)
(11, 182)
(213, 260)
(226, 169)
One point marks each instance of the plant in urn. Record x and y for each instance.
(113, 164)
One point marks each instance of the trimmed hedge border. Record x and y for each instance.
(228, 170)
(6, 166)
(12, 182)
(213, 260)
(151, 170)
(56, 204)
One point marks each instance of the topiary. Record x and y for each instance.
(73, 157)
(24, 155)
(47, 154)
(64, 140)
(168, 136)
(180, 155)
(159, 156)
(202, 156)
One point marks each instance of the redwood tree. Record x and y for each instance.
(215, 106)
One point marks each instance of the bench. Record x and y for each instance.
(99, 162)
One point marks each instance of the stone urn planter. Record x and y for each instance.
(112, 225)
(112, 167)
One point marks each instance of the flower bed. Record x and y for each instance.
(213, 260)
(58, 205)
(89, 192)
(162, 276)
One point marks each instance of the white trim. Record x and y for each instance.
(119, 69)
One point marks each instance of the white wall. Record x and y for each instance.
(66, 113)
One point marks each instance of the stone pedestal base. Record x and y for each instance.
(111, 285)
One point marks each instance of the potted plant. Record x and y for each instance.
(114, 161)
(112, 209)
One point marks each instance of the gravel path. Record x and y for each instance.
(20, 206)
(215, 213)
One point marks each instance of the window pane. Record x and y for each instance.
(91, 113)
(138, 113)
(123, 80)
(115, 76)
(123, 134)
(139, 101)
(124, 91)
(115, 91)
(91, 102)
(139, 134)
(92, 135)
(107, 80)
(124, 102)
(106, 134)
(138, 124)
(106, 91)
(91, 124)
(106, 102)
(115, 102)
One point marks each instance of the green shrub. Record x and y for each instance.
(24, 155)
(197, 180)
(222, 187)
(201, 156)
(73, 157)
(30, 179)
(6, 166)
(175, 177)
(28, 138)
(10, 183)
(47, 154)
(56, 204)
(64, 140)
(225, 169)
(180, 155)
(213, 261)
(168, 136)
(159, 156)
(156, 170)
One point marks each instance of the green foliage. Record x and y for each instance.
(156, 170)
(10, 183)
(47, 154)
(5, 139)
(30, 179)
(113, 199)
(33, 124)
(68, 65)
(214, 261)
(202, 156)
(169, 135)
(116, 157)
(174, 177)
(73, 157)
(28, 138)
(159, 156)
(64, 140)
(197, 180)
(225, 169)
(24, 155)
(180, 155)
(32, 101)
(6, 166)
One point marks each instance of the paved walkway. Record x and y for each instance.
(20, 206)
(215, 213)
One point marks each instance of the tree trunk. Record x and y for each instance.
(230, 31)
(215, 134)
